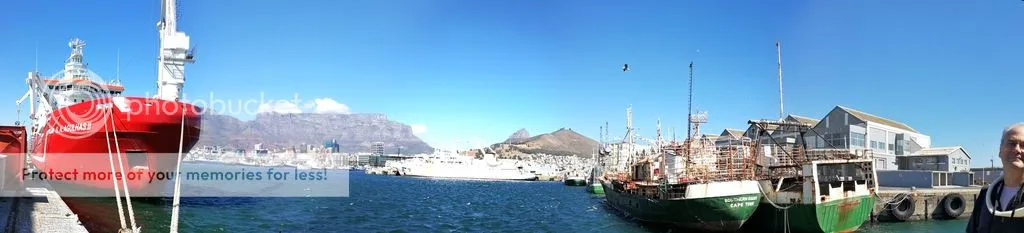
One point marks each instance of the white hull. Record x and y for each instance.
(723, 188)
(467, 172)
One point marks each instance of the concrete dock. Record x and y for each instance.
(927, 204)
(38, 209)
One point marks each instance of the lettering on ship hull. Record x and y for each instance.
(742, 201)
(71, 128)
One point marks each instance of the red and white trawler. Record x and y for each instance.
(78, 120)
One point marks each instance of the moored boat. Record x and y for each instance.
(80, 123)
(574, 181)
(594, 183)
(693, 185)
(814, 190)
(447, 164)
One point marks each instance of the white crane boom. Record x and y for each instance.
(174, 54)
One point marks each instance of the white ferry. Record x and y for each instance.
(447, 164)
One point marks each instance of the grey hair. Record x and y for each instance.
(1010, 128)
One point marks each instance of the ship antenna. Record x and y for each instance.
(37, 57)
(778, 49)
(689, 108)
(117, 77)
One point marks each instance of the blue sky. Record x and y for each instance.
(479, 70)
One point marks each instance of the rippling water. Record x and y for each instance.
(406, 204)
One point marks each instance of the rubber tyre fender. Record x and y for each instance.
(904, 209)
(953, 205)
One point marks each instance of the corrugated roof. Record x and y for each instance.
(736, 133)
(804, 120)
(937, 151)
(872, 118)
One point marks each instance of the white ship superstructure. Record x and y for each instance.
(447, 164)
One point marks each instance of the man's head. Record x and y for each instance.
(1011, 149)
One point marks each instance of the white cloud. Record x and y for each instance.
(279, 107)
(418, 129)
(328, 105)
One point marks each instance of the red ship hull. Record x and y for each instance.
(87, 136)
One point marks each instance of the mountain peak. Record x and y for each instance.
(518, 136)
(563, 141)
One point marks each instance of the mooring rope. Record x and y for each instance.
(177, 177)
(124, 178)
(117, 190)
(770, 201)
(892, 203)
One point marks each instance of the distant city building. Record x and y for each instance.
(378, 158)
(378, 148)
(332, 146)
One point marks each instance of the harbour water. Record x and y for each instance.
(407, 204)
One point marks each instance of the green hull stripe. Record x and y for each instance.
(834, 216)
(726, 213)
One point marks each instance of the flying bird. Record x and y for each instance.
(625, 67)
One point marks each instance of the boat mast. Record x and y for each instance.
(689, 108)
(629, 135)
(174, 54)
(778, 49)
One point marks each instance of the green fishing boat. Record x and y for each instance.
(595, 188)
(574, 181)
(594, 183)
(696, 184)
(814, 190)
(713, 206)
(839, 205)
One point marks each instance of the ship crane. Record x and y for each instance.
(174, 54)
(37, 92)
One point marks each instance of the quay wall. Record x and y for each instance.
(929, 204)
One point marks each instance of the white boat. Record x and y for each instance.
(450, 165)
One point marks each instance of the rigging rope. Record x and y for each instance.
(124, 178)
(117, 191)
(892, 203)
(177, 179)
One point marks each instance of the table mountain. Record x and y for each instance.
(355, 132)
(563, 141)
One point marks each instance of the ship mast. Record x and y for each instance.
(778, 49)
(629, 137)
(174, 54)
(689, 108)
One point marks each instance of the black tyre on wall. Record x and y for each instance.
(903, 209)
(953, 205)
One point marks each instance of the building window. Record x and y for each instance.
(857, 140)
